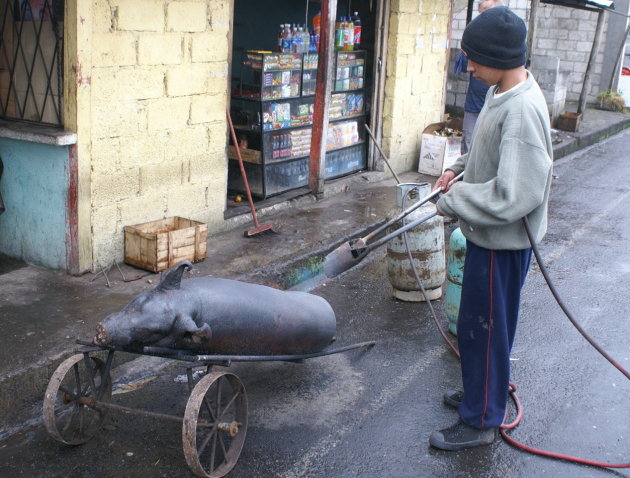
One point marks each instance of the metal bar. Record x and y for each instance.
(105, 374)
(280, 358)
(98, 404)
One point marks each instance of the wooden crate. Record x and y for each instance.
(158, 245)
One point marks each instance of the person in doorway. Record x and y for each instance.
(476, 93)
(508, 173)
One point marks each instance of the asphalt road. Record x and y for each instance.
(369, 413)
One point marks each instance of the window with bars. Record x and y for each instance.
(31, 61)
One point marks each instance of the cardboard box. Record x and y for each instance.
(158, 245)
(438, 152)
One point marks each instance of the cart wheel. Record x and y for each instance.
(215, 425)
(68, 414)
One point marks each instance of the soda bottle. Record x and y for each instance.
(348, 38)
(339, 33)
(317, 23)
(280, 32)
(357, 30)
(286, 39)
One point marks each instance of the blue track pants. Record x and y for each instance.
(486, 325)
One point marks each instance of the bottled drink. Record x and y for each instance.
(286, 39)
(317, 23)
(280, 33)
(312, 45)
(348, 38)
(357, 30)
(340, 33)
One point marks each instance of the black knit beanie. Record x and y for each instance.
(496, 38)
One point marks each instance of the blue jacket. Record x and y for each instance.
(476, 94)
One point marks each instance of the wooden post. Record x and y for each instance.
(586, 84)
(322, 97)
(622, 46)
(531, 31)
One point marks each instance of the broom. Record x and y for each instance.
(258, 229)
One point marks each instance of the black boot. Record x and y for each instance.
(461, 436)
(453, 398)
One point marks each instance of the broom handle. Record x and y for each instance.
(407, 211)
(242, 166)
(367, 128)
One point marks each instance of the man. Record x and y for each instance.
(507, 176)
(476, 93)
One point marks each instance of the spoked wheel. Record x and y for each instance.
(69, 412)
(215, 425)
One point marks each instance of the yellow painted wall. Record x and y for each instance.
(414, 85)
(151, 96)
(146, 91)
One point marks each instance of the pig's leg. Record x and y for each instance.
(184, 327)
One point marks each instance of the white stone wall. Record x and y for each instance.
(564, 33)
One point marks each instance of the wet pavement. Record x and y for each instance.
(356, 414)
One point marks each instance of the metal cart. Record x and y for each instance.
(214, 425)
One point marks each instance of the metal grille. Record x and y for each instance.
(31, 61)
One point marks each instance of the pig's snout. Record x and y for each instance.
(101, 337)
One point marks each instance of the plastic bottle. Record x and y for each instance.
(306, 43)
(317, 23)
(357, 30)
(286, 39)
(348, 38)
(280, 33)
(339, 33)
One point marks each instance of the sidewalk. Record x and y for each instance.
(42, 312)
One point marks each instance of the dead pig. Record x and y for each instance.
(221, 316)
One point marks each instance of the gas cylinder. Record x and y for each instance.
(426, 242)
(454, 277)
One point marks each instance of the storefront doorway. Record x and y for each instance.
(273, 93)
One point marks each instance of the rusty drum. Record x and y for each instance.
(427, 248)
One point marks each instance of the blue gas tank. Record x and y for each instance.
(454, 277)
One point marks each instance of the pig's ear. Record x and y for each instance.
(173, 277)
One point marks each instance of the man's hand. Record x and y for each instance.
(443, 181)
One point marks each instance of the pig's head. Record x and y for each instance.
(148, 318)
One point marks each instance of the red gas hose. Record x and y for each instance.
(512, 391)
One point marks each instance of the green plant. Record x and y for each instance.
(611, 100)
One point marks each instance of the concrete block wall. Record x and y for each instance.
(414, 87)
(563, 33)
(158, 92)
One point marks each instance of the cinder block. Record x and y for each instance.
(110, 188)
(207, 108)
(139, 15)
(105, 221)
(168, 114)
(187, 16)
(188, 142)
(217, 138)
(122, 119)
(113, 49)
(105, 155)
(209, 47)
(163, 175)
(160, 49)
(188, 201)
(112, 86)
(140, 150)
(187, 80)
(102, 16)
(145, 208)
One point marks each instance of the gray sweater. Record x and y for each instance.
(508, 171)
